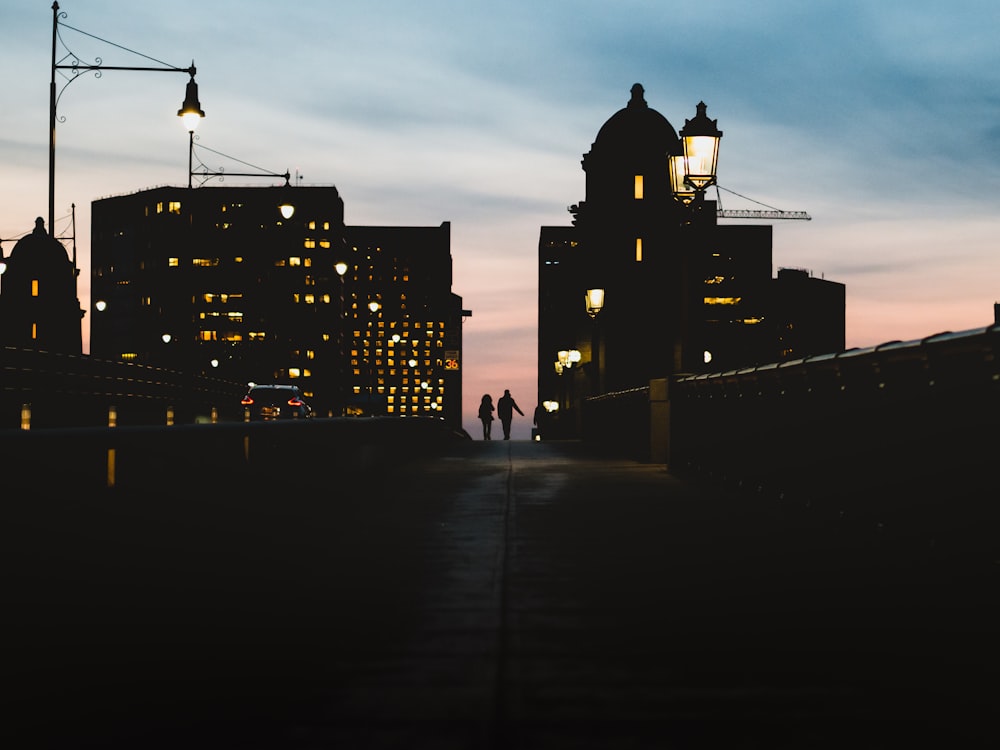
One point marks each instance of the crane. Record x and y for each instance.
(743, 213)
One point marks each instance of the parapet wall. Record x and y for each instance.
(878, 417)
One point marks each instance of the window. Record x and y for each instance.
(34, 289)
(174, 207)
(638, 249)
(638, 187)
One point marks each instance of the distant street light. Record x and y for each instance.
(595, 301)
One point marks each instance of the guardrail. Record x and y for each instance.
(878, 414)
(228, 459)
(40, 389)
(886, 416)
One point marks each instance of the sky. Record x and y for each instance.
(881, 120)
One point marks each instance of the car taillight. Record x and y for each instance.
(246, 401)
(295, 401)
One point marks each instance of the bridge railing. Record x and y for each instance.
(889, 413)
(67, 390)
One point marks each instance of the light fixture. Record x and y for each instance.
(700, 138)
(191, 112)
(374, 306)
(595, 301)
(166, 338)
(341, 268)
(682, 191)
(101, 305)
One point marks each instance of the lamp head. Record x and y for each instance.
(700, 138)
(191, 111)
(595, 301)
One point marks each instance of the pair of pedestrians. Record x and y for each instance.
(505, 408)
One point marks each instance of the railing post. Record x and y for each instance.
(659, 421)
(112, 422)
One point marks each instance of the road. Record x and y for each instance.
(500, 595)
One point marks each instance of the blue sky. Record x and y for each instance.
(880, 119)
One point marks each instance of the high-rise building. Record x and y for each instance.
(242, 283)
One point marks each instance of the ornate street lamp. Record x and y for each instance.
(700, 138)
(71, 62)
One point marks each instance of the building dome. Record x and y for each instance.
(636, 127)
(39, 253)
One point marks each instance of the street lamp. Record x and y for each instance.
(373, 308)
(595, 303)
(77, 69)
(694, 170)
(341, 268)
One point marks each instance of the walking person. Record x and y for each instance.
(486, 410)
(506, 406)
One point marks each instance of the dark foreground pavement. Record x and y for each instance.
(502, 595)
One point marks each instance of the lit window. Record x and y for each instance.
(638, 249)
(174, 207)
(295, 261)
(34, 289)
(309, 242)
(173, 262)
(638, 187)
(723, 300)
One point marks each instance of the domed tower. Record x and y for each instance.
(39, 308)
(630, 238)
(628, 164)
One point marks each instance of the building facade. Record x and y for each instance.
(683, 294)
(243, 283)
(39, 307)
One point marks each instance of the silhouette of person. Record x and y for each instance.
(539, 420)
(506, 406)
(486, 415)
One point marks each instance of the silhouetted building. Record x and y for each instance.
(683, 294)
(39, 307)
(809, 313)
(216, 280)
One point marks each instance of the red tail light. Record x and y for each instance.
(246, 401)
(295, 401)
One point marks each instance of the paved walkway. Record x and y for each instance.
(505, 595)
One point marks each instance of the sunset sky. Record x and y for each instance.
(879, 119)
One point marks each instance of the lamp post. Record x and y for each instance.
(373, 308)
(77, 69)
(691, 174)
(286, 207)
(595, 303)
(341, 268)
